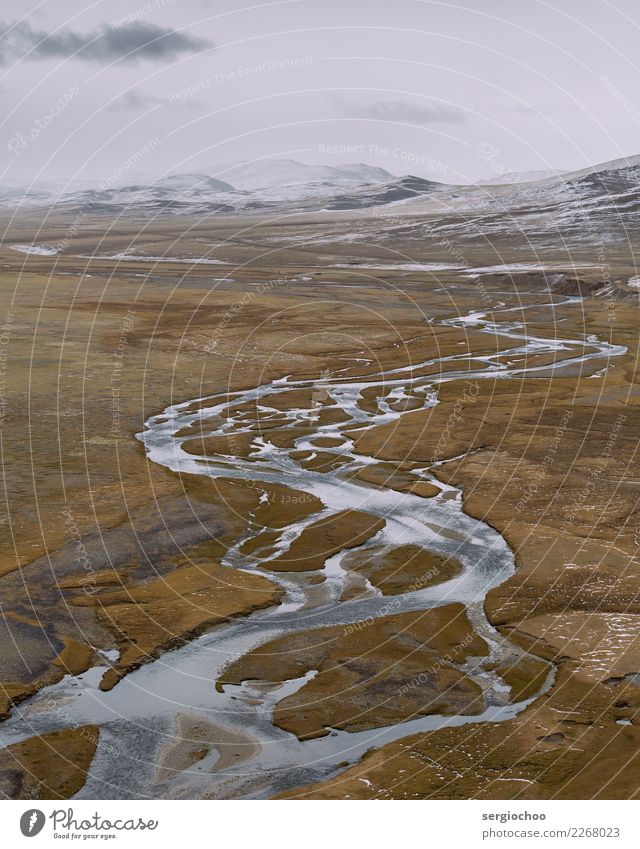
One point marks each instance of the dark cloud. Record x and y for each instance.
(127, 43)
(402, 112)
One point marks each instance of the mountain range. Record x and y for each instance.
(602, 201)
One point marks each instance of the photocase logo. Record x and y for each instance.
(32, 822)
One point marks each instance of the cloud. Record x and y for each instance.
(402, 112)
(135, 100)
(127, 43)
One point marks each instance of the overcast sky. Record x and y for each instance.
(455, 92)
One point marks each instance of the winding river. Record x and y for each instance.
(138, 717)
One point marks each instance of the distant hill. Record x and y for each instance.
(271, 173)
(591, 206)
(399, 189)
(520, 177)
(193, 182)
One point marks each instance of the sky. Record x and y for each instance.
(113, 91)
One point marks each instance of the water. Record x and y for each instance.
(138, 716)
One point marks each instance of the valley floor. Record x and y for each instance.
(326, 530)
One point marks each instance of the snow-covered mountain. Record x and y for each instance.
(252, 186)
(601, 203)
(513, 177)
(272, 173)
(593, 206)
(393, 191)
(141, 200)
(192, 183)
